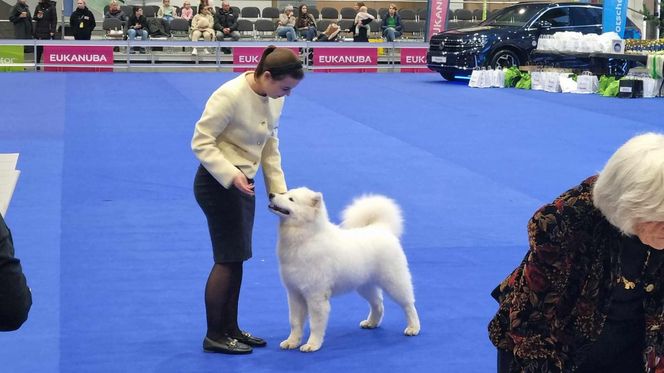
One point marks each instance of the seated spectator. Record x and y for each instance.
(187, 12)
(82, 21)
(225, 24)
(391, 24)
(114, 11)
(361, 24)
(331, 33)
(286, 24)
(201, 26)
(19, 15)
(138, 26)
(15, 297)
(204, 4)
(306, 24)
(167, 12)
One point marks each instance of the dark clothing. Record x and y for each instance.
(306, 21)
(224, 19)
(15, 297)
(22, 25)
(46, 20)
(230, 217)
(619, 349)
(554, 307)
(627, 304)
(82, 22)
(306, 26)
(119, 14)
(133, 21)
(362, 32)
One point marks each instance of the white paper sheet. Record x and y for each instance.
(8, 179)
(8, 161)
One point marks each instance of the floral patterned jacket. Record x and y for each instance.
(553, 306)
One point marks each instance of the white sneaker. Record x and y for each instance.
(206, 51)
(194, 52)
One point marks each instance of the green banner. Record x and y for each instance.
(10, 54)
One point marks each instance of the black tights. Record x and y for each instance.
(222, 294)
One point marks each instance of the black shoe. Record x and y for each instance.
(250, 340)
(226, 345)
(226, 50)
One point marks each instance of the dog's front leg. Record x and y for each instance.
(297, 308)
(319, 312)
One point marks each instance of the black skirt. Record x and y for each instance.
(230, 217)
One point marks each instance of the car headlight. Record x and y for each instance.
(478, 41)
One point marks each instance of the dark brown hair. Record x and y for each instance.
(280, 62)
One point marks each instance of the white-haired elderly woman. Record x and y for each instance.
(286, 24)
(589, 294)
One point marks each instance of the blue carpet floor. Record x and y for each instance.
(116, 249)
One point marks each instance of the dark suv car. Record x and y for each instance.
(509, 35)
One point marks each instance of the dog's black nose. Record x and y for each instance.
(271, 196)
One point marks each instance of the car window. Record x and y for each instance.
(581, 16)
(514, 16)
(558, 17)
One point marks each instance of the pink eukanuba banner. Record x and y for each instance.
(345, 57)
(78, 55)
(414, 56)
(438, 10)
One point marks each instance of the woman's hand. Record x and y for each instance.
(242, 184)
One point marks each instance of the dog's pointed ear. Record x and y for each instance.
(316, 200)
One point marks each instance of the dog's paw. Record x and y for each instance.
(289, 345)
(366, 324)
(411, 331)
(308, 347)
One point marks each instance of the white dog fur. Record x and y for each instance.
(318, 260)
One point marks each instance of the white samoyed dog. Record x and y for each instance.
(318, 259)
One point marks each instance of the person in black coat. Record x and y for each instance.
(46, 20)
(82, 21)
(138, 26)
(19, 15)
(15, 296)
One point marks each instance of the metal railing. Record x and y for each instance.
(124, 59)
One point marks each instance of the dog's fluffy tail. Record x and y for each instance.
(373, 209)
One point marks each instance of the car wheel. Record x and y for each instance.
(448, 76)
(505, 58)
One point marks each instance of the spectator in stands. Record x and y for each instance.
(46, 20)
(167, 12)
(82, 21)
(391, 24)
(19, 15)
(138, 26)
(114, 11)
(15, 297)
(361, 25)
(225, 24)
(187, 12)
(237, 134)
(286, 24)
(306, 24)
(205, 4)
(201, 26)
